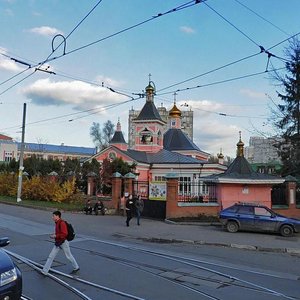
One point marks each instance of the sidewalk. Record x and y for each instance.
(110, 226)
(192, 233)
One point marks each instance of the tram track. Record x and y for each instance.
(157, 271)
(38, 267)
(197, 264)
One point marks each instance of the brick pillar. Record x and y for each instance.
(172, 195)
(116, 191)
(91, 183)
(291, 193)
(128, 180)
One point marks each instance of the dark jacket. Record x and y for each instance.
(129, 204)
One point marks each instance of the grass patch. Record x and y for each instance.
(77, 206)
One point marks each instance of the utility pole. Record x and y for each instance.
(21, 168)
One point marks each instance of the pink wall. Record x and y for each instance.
(228, 194)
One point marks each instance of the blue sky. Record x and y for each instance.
(173, 47)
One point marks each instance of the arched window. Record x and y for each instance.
(158, 137)
(146, 137)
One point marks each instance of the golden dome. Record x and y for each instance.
(150, 88)
(240, 146)
(175, 112)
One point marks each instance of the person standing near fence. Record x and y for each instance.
(60, 237)
(129, 209)
(139, 207)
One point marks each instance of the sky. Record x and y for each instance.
(78, 62)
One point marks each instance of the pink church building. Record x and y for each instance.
(173, 174)
(157, 151)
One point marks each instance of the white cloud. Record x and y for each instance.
(108, 81)
(45, 31)
(253, 94)
(187, 29)
(204, 108)
(211, 133)
(78, 94)
(7, 64)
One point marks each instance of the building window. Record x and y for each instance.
(111, 155)
(8, 156)
(159, 178)
(184, 185)
(146, 137)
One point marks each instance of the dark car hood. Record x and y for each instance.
(286, 219)
(5, 262)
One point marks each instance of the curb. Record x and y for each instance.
(292, 251)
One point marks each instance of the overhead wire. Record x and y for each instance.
(261, 17)
(245, 76)
(38, 65)
(176, 9)
(221, 81)
(230, 23)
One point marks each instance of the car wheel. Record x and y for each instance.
(286, 230)
(232, 226)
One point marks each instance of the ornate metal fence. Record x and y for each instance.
(278, 195)
(196, 191)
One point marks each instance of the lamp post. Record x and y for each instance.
(21, 168)
(199, 175)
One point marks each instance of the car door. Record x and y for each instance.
(264, 220)
(245, 215)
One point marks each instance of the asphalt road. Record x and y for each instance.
(156, 260)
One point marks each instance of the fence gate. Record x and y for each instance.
(278, 195)
(298, 194)
(155, 209)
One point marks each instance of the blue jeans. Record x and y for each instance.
(65, 246)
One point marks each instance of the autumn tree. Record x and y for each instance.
(111, 166)
(102, 137)
(287, 115)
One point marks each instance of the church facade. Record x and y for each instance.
(158, 150)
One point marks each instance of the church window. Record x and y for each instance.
(158, 138)
(111, 155)
(146, 137)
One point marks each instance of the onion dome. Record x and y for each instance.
(175, 112)
(240, 147)
(150, 91)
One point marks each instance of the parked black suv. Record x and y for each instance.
(255, 217)
(10, 275)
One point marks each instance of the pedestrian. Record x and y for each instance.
(129, 209)
(61, 242)
(139, 207)
(99, 206)
(88, 208)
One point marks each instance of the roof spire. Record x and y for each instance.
(150, 90)
(240, 146)
(175, 98)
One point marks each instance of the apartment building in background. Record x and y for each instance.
(262, 154)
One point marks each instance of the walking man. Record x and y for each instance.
(139, 206)
(129, 209)
(61, 242)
